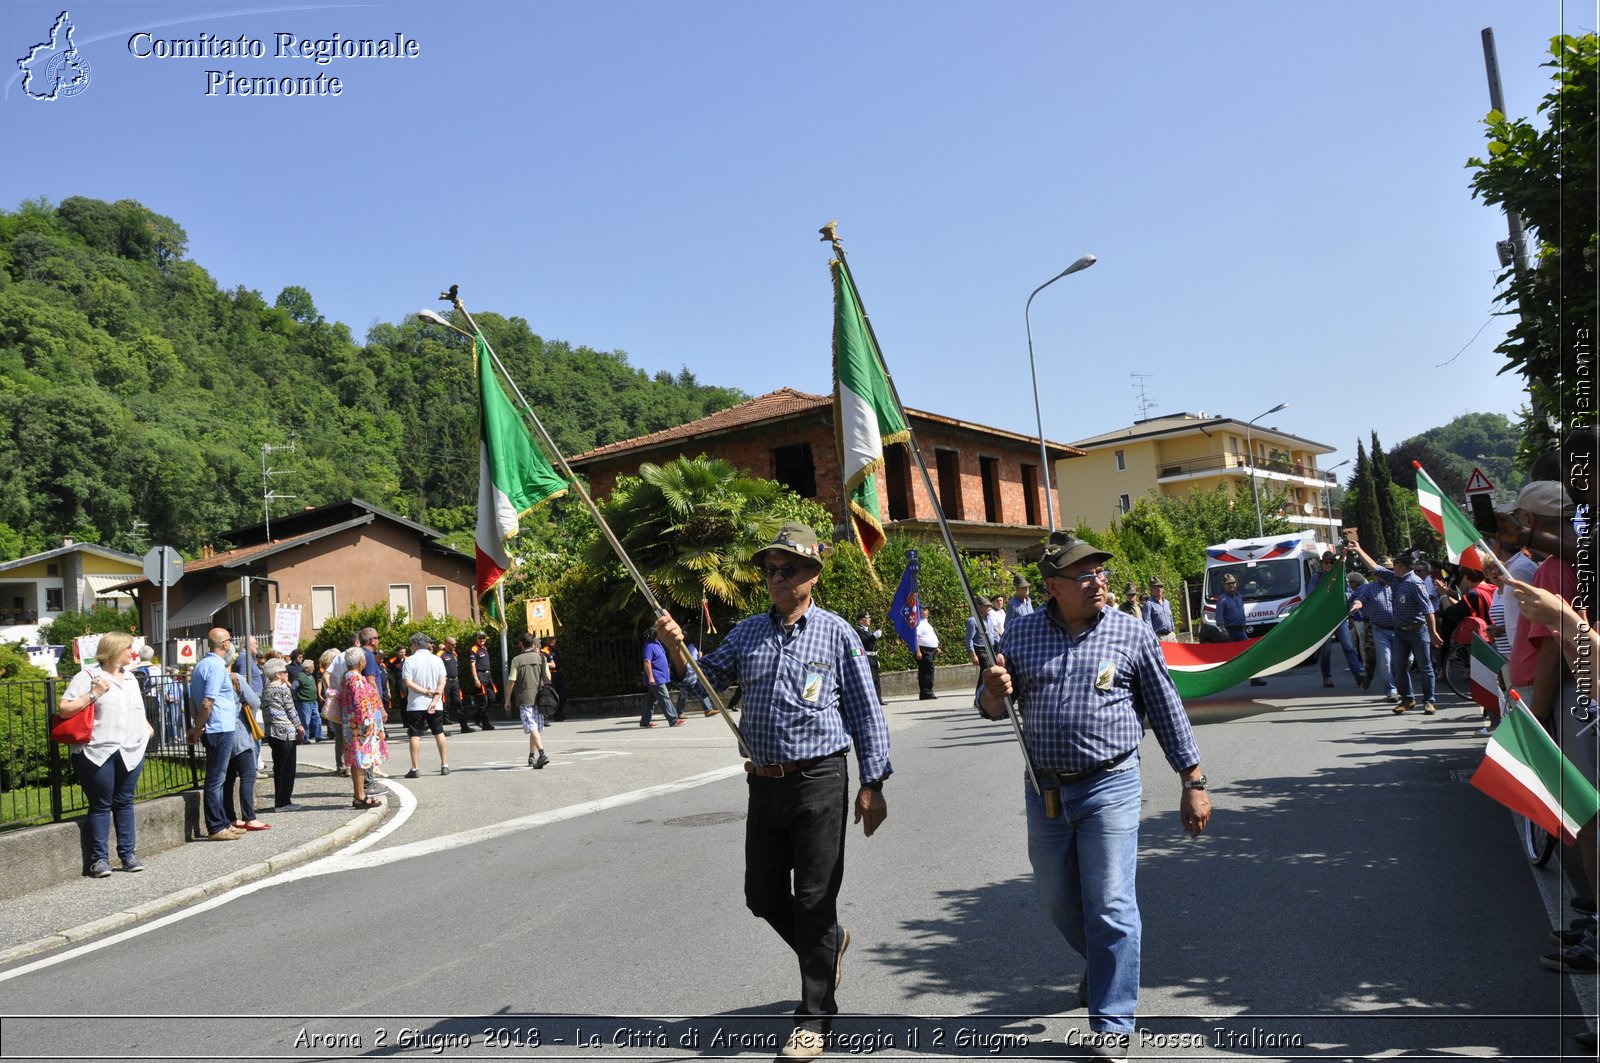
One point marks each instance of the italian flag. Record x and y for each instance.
(514, 477)
(866, 415)
(1199, 669)
(1487, 664)
(1525, 771)
(1446, 518)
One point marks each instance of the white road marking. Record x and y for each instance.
(348, 859)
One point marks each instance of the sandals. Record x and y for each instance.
(256, 824)
(370, 802)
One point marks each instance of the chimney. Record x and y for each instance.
(67, 540)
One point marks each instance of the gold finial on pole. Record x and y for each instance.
(830, 235)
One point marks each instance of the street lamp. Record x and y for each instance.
(1327, 499)
(1044, 460)
(1250, 453)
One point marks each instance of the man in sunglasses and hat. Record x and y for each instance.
(808, 695)
(1087, 680)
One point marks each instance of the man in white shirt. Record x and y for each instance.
(423, 675)
(927, 652)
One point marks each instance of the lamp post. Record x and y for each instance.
(1044, 460)
(1327, 499)
(1250, 453)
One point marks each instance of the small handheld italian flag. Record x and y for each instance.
(1447, 519)
(1524, 770)
(1487, 665)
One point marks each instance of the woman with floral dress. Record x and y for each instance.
(364, 742)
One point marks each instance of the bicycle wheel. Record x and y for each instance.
(1458, 672)
(1537, 845)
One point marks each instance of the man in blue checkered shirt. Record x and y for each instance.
(807, 694)
(1416, 632)
(1087, 679)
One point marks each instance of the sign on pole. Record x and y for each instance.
(87, 646)
(187, 652)
(541, 618)
(1478, 483)
(163, 566)
(286, 628)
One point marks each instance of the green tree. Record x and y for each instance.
(1548, 177)
(1383, 479)
(24, 726)
(1362, 509)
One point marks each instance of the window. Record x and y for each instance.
(1122, 461)
(897, 478)
(52, 600)
(989, 470)
(399, 598)
(792, 466)
(438, 601)
(52, 569)
(1124, 504)
(949, 463)
(1030, 493)
(322, 606)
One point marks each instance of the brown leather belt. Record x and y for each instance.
(1067, 778)
(788, 767)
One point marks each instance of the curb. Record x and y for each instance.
(334, 840)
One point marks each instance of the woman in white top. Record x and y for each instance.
(108, 765)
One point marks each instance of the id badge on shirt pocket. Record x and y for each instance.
(1105, 677)
(816, 671)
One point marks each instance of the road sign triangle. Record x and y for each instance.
(1478, 483)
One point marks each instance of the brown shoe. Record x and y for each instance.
(803, 1044)
(226, 834)
(712, 712)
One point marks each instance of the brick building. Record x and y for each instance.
(987, 478)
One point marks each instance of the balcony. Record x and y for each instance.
(1224, 464)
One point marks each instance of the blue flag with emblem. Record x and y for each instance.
(904, 612)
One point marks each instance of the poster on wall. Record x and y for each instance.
(286, 628)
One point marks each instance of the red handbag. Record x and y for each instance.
(74, 730)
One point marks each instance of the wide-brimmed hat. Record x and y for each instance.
(1544, 498)
(1063, 550)
(1155, 581)
(797, 539)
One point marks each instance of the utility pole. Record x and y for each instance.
(136, 535)
(267, 493)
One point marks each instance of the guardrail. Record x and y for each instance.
(37, 784)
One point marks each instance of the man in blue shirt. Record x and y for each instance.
(657, 676)
(1372, 600)
(1342, 633)
(807, 695)
(1416, 632)
(1087, 680)
(216, 716)
(1231, 618)
(1021, 603)
(1158, 610)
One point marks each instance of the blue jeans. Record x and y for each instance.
(310, 719)
(793, 868)
(219, 750)
(1383, 649)
(1406, 645)
(109, 787)
(658, 699)
(1351, 658)
(680, 696)
(1083, 868)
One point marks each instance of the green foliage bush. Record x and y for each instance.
(24, 726)
(65, 629)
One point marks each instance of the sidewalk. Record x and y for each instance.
(82, 908)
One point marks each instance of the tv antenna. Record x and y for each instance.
(267, 493)
(1146, 402)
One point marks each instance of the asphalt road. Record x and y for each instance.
(1353, 898)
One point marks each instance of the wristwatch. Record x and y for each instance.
(876, 785)
(1195, 784)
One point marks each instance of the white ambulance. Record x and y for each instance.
(1274, 574)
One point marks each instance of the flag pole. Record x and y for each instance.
(830, 235)
(594, 511)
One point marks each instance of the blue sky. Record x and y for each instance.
(1275, 191)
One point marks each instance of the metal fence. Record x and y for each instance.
(37, 784)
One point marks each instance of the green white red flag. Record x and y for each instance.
(1202, 668)
(1451, 524)
(866, 415)
(1524, 770)
(1487, 666)
(514, 477)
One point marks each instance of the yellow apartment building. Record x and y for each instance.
(1185, 452)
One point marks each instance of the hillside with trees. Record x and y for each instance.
(137, 390)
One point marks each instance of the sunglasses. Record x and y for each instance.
(780, 571)
(1099, 575)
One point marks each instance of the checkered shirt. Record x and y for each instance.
(1374, 597)
(1085, 700)
(776, 671)
(1407, 597)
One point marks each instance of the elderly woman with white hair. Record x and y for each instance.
(109, 763)
(364, 743)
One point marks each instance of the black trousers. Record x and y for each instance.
(925, 671)
(795, 831)
(284, 755)
(452, 702)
